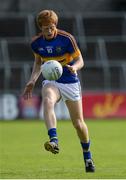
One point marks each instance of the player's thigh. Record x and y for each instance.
(75, 109)
(51, 92)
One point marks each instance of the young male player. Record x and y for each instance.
(53, 43)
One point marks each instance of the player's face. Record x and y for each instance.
(49, 31)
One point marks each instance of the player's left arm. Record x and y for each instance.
(73, 49)
(79, 63)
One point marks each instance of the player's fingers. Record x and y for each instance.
(30, 94)
(25, 96)
(68, 66)
(71, 69)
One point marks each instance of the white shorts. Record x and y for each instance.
(70, 91)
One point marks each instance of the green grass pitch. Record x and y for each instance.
(22, 154)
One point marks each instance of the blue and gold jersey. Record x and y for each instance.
(62, 48)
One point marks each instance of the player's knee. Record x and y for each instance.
(48, 102)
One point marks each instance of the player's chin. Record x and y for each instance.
(49, 37)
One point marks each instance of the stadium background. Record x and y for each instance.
(100, 31)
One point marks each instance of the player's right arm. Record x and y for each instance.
(36, 71)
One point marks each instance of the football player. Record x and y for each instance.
(55, 44)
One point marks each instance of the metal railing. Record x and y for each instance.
(101, 57)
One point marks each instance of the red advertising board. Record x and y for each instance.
(104, 105)
(95, 105)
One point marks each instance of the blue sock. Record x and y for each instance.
(86, 151)
(87, 155)
(53, 135)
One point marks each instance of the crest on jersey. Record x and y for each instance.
(58, 49)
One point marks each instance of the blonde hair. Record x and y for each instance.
(46, 17)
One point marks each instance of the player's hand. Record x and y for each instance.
(27, 94)
(71, 68)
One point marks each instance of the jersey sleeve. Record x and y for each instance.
(34, 47)
(73, 47)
